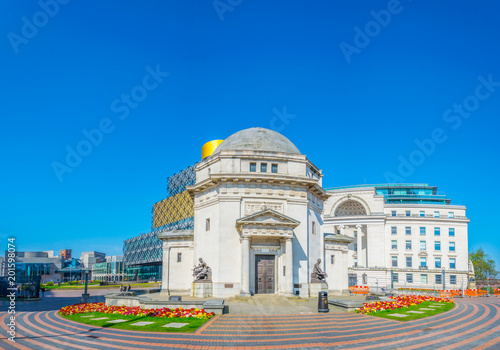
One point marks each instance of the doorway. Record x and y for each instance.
(264, 274)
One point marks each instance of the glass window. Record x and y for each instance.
(437, 231)
(408, 230)
(422, 213)
(408, 261)
(452, 263)
(423, 261)
(393, 213)
(355, 247)
(253, 167)
(394, 244)
(439, 279)
(436, 214)
(422, 231)
(355, 234)
(408, 213)
(423, 279)
(207, 225)
(437, 245)
(355, 262)
(394, 260)
(409, 278)
(453, 279)
(437, 263)
(408, 245)
(451, 214)
(395, 277)
(332, 259)
(314, 228)
(451, 232)
(179, 257)
(274, 168)
(423, 245)
(394, 230)
(263, 167)
(452, 246)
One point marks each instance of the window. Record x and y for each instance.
(451, 214)
(437, 245)
(394, 244)
(207, 225)
(422, 213)
(408, 213)
(423, 245)
(393, 213)
(274, 168)
(422, 231)
(408, 230)
(332, 258)
(423, 261)
(263, 167)
(253, 167)
(394, 260)
(365, 278)
(355, 234)
(437, 231)
(439, 279)
(394, 230)
(452, 246)
(452, 263)
(408, 245)
(437, 263)
(179, 257)
(409, 278)
(395, 277)
(314, 228)
(355, 247)
(436, 214)
(423, 279)
(453, 279)
(451, 232)
(355, 262)
(408, 261)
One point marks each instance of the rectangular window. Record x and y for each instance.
(253, 167)
(437, 245)
(439, 279)
(437, 231)
(423, 245)
(422, 213)
(395, 277)
(408, 245)
(409, 278)
(394, 260)
(451, 232)
(274, 168)
(437, 263)
(394, 230)
(179, 257)
(207, 225)
(355, 247)
(394, 244)
(408, 213)
(451, 214)
(436, 214)
(393, 213)
(453, 279)
(263, 167)
(423, 279)
(355, 234)
(408, 261)
(332, 259)
(452, 263)
(355, 262)
(408, 230)
(423, 261)
(422, 231)
(452, 246)
(314, 228)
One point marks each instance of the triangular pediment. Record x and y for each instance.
(267, 217)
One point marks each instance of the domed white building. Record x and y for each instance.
(262, 220)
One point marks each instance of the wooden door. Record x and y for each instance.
(264, 274)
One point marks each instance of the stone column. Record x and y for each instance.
(344, 286)
(359, 243)
(165, 283)
(289, 267)
(245, 266)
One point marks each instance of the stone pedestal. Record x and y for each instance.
(316, 287)
(202, 289)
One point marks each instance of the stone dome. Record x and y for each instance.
(258, 139)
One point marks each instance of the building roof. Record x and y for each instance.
(258, 139)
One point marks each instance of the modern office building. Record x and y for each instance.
(66, 254)
(112, 269)
(44, 264)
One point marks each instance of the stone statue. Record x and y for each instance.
(202, 272)
(318, 275)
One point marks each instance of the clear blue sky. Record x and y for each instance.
(357, 93)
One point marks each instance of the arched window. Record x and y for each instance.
(350, 208)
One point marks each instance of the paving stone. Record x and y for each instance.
(175, 325)
(140, 324)
(415, 312)
(398, 315)
(100, 318)
(116, 321)
(88, 316)
(426, 308)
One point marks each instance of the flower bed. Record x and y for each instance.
(399, 302)
(134, 311)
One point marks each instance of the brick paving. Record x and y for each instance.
(472, 324)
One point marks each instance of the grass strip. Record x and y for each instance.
(426, 313)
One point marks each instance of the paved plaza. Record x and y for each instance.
(472, 324)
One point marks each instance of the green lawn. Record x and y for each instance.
(194, 323)
(427, 313)
(97, 286)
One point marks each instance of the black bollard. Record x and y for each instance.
(323, 302)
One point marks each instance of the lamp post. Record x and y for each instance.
(85, 295)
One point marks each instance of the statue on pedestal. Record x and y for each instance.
(318, 275)
(202, 272)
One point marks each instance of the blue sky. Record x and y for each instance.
(138, 87)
